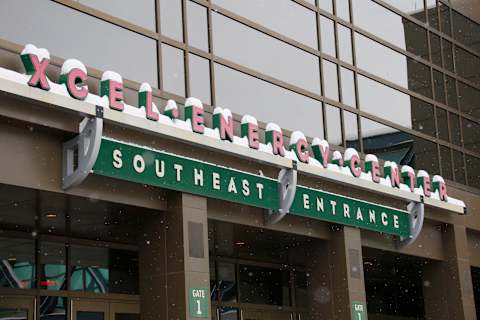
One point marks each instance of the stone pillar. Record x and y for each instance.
(348, 282)
(175, 277)
(448, 290)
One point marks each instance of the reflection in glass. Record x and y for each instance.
(451, 91)
(436, 49)
(466, 31)
(345, 44)
(394, 145)
(432, 14)
(439, 86)
(327, 35)
(227, 282)
(350, 124)
(171, 19)
(17, 263)
(348, 87)
(467, 65)
(455, 129)
(445, 21)
(90, 315)
(326, 5)
(419, 79)
(442, 124)
(173, 70)
(265, 54)
(330, 78)
(473, 170)
(199, 78)
(103, 270)
(197, 25)
(471, 138)
(413, 8)
(264, 286)
(334, 127)
(459, 167)
(343, 9)
(263, 98)
(469, 98)
(127, 316)
(53, 308)
(228, 313)
(423, 119)
(447, 54)
(301, 289)
(13, 313)
(52, 266)
(446, 162)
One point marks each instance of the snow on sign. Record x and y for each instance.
(313, 158)
(157, 168)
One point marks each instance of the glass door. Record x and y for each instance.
(89, 310)
(18, 308)
(124, 311)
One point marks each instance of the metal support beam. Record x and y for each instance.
(80, 153)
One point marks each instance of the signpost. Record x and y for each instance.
(198, 301)
(359, 311)
(157, 168)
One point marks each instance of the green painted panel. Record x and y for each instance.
(198, 301)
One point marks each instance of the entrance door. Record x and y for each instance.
(266, 315)
(83, 309)
(18, 308)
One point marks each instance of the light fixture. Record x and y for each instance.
(51, 215)
(239, 243)
(12, 259)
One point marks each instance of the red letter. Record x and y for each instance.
(354, 166)
(393, 173)
(321, 151)
(252, 135)
(145, 100)
(224, 123)
(195, 115)
(277, 142)
(39, 76)
(375, 171)
(301, 150)
(75, 77)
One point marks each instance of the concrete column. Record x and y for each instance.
(174, 260)
(448, 290)
(348, 282)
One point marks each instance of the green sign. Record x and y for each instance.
(157, 168)
(359, 311)
(198, 300)
(162, 169)
(321, 205)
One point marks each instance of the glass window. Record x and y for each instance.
(466, 31)
(327, 35)
(442, 124)
(350, 123)
(227, 282)
(451, 92)
(381, 61)
(52, 266)
(199, 78)
(348, 87)
(455, 129)
(345, 44)
(343, 9)
(330, 78)
(473, 170)
(173, 70)
(326, 5)
(301, 289)
(19, 208)
(467, 65)
(267, 102)
(228, 313)
(445, 20)
(419, 79)
(53, 308)
(384, 102)
(17, 263)
(469, 99)
(413, 8)
(260, 285)
(423, 119)
(265, 54)
(446, 162)
(439, 86)
(139, 12)
(334, 126)
(394, 145)
(447, 55)
(471, 138)
(197, 26)
(436, 49)
(171, 19)
(459, 167)
(109, 47)
(283, 16)
(432, 14)
(103, 270)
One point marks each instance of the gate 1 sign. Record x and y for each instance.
(198, 300)
(359, 312)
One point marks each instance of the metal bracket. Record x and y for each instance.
(80, 153)
(287, 187)
(416, 215)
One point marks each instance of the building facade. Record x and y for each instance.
(397, 79)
